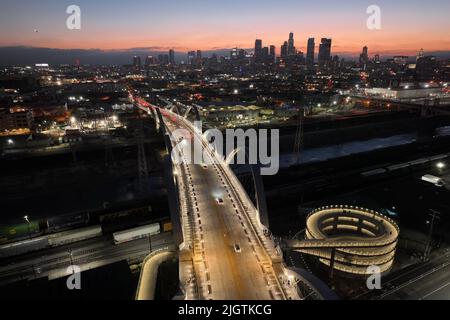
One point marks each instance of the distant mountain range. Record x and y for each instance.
(31, 55)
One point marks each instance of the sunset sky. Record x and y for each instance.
(407, 25)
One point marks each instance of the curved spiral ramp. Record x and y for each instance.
(350, 239)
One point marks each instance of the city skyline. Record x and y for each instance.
(206, 26)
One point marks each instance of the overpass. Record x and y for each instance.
(226, 253)
(349, 239)
(429, 108)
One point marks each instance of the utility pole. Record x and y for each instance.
(299, 138)
(70, 251)
(150, 242)
(27, 219)
(74, 151)
(142, 159)
(109, 156)
(332, 263)
(434, 215)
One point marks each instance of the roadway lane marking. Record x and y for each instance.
(435, 291)
(224, 220)
(412, 281)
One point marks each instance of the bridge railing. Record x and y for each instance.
(168, 249)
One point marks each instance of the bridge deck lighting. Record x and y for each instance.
(373, 244)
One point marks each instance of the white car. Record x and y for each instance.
(204, 166)
(220, 201)
(237, 248)
(438, 182)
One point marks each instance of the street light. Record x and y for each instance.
(435, 215)
(70, 252)
(440, 165)
(150, 242)
(28, 225)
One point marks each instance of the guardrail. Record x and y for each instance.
(374, 242)
(147, 259)
(234, 185)
(227, 176)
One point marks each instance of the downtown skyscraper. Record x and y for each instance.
(310, 53)
(137, 62)
(172, 57)
(272, 54)
(258, 49)
(291, 45)
(325, 51)
(191, 57)
(364, 56)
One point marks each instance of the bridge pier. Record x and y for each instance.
(197, 114)
(336, 223)
(188, 110)
(332, 261)
(360, 225)
(172, 186)
(261, 202)
(172, 192)
(162, 128)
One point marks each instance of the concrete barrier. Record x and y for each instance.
(149, 274)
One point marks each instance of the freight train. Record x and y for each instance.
(49, 241)
(64, 238)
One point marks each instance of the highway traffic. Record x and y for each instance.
(232, 258)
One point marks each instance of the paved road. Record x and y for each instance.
(433, 283)
(149, 274)
(234, 276)
(227, 273)
(90, 254)
(427, 281)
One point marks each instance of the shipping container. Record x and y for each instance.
(434, 180)
(373, 173)
(22, 247)
(137, 233)
(167, 227)
(419, 162)
(399, 167)
(72, 236)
